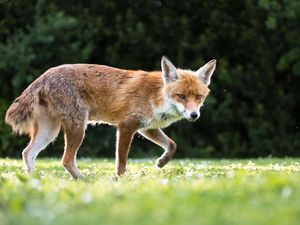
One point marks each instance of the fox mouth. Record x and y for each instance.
(191, 119)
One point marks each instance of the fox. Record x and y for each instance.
(71, 96)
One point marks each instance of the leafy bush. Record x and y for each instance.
(254, 106)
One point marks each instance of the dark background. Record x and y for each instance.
(254, 106)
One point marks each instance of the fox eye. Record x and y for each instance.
(181, 96)
(198, 97)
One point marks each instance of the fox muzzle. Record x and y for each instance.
(193, 116)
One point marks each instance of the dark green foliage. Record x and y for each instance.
(254, 105)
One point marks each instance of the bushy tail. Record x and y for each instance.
(20, 114)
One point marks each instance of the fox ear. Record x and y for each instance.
(169, 71)
(206, 71)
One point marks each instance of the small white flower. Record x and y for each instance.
(164, 181)
(86, 197)
(286, 192)
(189, 173)
(276, 167)
(200, 167)
(230, 174)
(200, 175)
(35, 183)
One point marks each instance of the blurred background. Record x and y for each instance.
(254, 106)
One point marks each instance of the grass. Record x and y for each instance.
(263, 191)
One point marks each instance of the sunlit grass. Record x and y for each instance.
(265, 191)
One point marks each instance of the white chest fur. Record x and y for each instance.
(163, 116)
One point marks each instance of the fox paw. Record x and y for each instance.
(120, 172)
(161, 162)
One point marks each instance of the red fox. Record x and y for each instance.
(74, 95)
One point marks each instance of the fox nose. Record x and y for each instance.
(194, 115)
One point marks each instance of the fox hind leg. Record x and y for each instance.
(43, 132)
(158, 137)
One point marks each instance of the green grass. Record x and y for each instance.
(187, 192)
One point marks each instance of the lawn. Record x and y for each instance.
(187, 192)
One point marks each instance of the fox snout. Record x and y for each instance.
(189, 111)
(191, 116)
(192, 111)
(194, 116)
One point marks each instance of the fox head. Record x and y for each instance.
(186, 89)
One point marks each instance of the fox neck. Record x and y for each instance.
(166, 107)
(163, 114)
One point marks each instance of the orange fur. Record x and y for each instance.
(74, 95)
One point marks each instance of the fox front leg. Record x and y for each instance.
(158, 137)
(124, 137)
